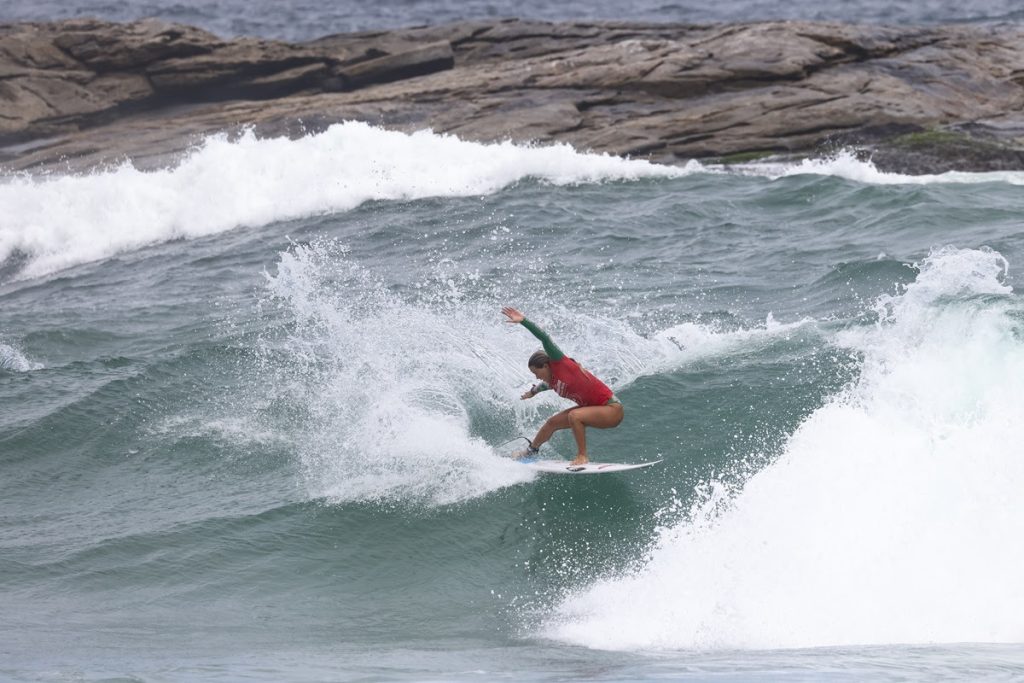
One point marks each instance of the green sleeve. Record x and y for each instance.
(550, 348)
(543, 386)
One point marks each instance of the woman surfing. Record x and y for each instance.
(596, 404)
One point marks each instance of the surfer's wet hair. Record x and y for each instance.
(538, 360)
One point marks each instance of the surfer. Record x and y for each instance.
(596, 405)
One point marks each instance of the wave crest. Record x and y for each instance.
(57, 222)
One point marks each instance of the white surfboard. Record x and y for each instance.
(563, 466)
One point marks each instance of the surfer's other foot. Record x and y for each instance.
(580, 460)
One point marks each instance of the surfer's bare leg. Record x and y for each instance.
(554, 423)
(601, 417)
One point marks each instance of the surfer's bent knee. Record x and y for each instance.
(614, 415)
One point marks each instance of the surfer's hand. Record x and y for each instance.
(513, 315)
(530, 393)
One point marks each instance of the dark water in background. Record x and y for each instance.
(305, 20)
(253, 408)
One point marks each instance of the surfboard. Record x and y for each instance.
(563, 466)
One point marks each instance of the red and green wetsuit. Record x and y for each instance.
(568, 378)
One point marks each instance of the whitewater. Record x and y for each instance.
(890, 515)
(256, 407)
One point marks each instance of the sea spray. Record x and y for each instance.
(402, 394)
(893, 514)
(14, 360)
(384, 386)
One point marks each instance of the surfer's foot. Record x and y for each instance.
(580, 460)
(527, 452)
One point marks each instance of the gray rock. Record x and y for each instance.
(412, 62)
(920, 99)
(102, 46)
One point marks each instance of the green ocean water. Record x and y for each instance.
(254, 410)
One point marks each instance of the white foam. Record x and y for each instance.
(688, 343)
(56, 222)
(894, 514)
(847, 165)
(13, 359)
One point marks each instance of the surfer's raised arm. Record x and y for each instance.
(596, 405)
(550, 348)
(540, 358)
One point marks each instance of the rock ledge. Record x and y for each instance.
(924, 99)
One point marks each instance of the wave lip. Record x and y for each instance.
(892, 516)
(847, 166)
(14, 360)
(53, 223)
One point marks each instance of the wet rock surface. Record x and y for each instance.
(81, 93)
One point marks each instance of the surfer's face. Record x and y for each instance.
(542, 373)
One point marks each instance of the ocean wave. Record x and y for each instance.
(891, 515)
(401, 396)
(846, 165)
(51, 223)
(14, 360)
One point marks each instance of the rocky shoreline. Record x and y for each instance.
(83, 93)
